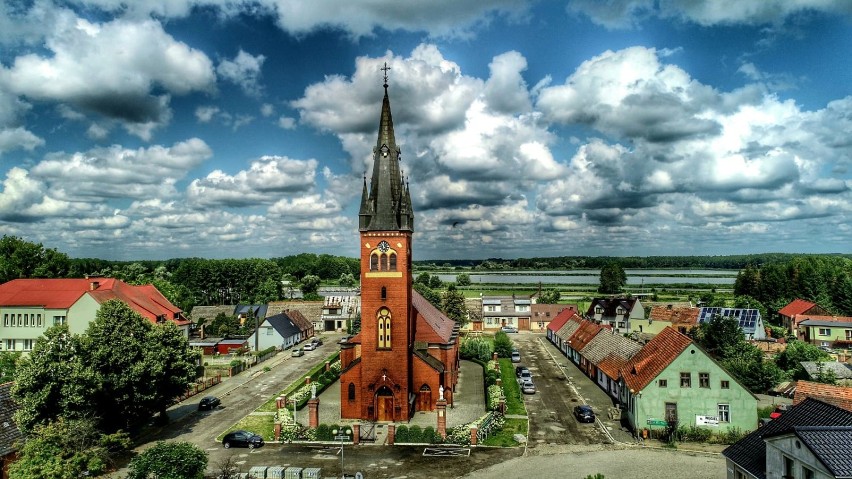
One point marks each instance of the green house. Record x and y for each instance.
(672, 379)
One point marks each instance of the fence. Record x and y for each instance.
(200, 386)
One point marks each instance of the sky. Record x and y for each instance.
(159, 129)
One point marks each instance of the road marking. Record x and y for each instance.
(446, 452)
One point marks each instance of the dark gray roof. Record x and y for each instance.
(840, 370)
(253, 310)
(283, 325)
(750, 452)
(832, 445)
(608, 342)
(826, 324)
(9, 432)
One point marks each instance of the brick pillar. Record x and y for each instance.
(308, 380)
(499, 382)
(327, 366)
(494, 356)
(391, 434)
(313, 412)
(279, 402)
(441, 406)
(356, 433)
(277, 431)
(473, 431)
(501, 406)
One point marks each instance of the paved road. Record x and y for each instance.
(550, 408)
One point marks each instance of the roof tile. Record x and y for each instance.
(653, 358)
(839, 396)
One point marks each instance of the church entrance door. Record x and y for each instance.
(424, 398)
(384, 404)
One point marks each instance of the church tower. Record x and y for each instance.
(379, 389)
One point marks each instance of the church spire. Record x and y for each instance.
(382, 209)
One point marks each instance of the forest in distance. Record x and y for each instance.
(771, 278)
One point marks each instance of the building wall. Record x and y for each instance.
(647, 326)
(81, 313)
(267, 340)
(778, 447)
(20, 335)
(693, 401)
(837, 333)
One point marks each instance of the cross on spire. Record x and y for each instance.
(385, 69)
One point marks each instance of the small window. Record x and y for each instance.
(686, 380)
(724, 413)
(351, 391)
(6, 320)
(598, 310)
(20, 320)
(26, 320)
(726, 385)
(384, 293)
(374, 262)
(789, 465)
(28, 345)
(10, 344)
(704, 380)
(392, 262)
(269, 331)
(807, 473)
(663, 383)
(825, 331)
(40, 323)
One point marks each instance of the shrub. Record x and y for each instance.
(491, 377)
(730, 435)
(475, 348)
(415, 434)
(693, 434)
(430, 435)
(401, 434)
(324, 433)
(502, 345)
(235, 363)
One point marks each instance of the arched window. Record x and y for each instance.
(383, 328)
(384, 293)
(374, 262)
(351, 391)
(392, 262)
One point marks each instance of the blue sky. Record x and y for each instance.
(175, 128)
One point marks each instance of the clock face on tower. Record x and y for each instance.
(384, 246)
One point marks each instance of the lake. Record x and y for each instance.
(635, 277)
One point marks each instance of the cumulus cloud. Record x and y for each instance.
(111, 69)
(18, 138)
(266, 179)
(243, 71)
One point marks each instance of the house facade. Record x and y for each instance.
(681, 318)
(278, 331)
(827, 331)
(543, 314)
(811, 439)
(28, 307)
(791, 314)
(605, 350)
(616, 313)
(406, 354)
(672, 380)
(338, 312)
(499, 311)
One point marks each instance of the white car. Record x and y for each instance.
(310, 347)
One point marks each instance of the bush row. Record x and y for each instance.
(416, 434)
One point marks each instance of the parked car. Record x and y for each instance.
(242, 439)
(520, 369)
(525, 376)
(208, 402)
(528, 387)
(297, 352)
(584, 413)
(317, 341)
(310, 347)
(344, 339)
(516, 356)
(509, 329)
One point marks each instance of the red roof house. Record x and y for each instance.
(792, 314)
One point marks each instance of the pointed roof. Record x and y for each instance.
(750, 452)
(388, 205)
(840, 396)
(653, 358)
(797, 306)
(433, 326)
(560, 320)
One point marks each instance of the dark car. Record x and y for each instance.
(242, 439)
(317, 341)
(209, 402)
(584, 413)
(520, 369)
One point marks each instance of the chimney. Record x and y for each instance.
(93, 285)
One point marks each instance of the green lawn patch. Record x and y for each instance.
(258, 424)
(514, 403)
(503, 437)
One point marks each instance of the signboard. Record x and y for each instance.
(657, 422)
(706, 421)
(341, 438)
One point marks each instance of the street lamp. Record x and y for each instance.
(341, 435)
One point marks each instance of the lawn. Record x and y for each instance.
(503, 437)
(256, 423)
(514, 402)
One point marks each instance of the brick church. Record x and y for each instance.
(407, 350)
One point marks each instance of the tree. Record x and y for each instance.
(790, 360)
(435, 282)
(502, 345)
(718, 335)
(140, 368)
(227, 468)
(825, 375)
(53, 380)
(613, 278)
(22, 259)
(169, 460)
(429, 294)
(8, 365)
(463, 279)
(347, 279)
(309, 285)
(453, 305)
(549, 296)
(67, 449)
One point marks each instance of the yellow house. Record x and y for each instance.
(828, 331)
(682, 319)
